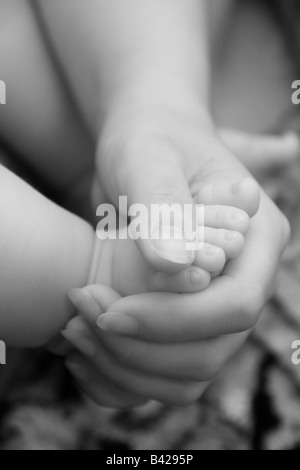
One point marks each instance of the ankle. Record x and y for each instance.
(101, 267)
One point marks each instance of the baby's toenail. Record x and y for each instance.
(195, 276)
(212, 251)
(231, 236)
(238, 216)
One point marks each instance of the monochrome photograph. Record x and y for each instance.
(150, 227)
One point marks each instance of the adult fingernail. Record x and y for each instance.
(212, 251)
(171, 244)
(77, 369)
(85, 302)
(119, 323)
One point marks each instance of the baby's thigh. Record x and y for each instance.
(39, 120)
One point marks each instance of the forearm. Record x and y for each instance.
(44, 252)
(131, 52)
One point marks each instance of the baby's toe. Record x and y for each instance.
(243, 194)
(247, 191)
(210, 258)
(226, 217)
(231, 242)
(192, 279)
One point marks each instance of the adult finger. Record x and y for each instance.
(97, 387)
(172, 392)
(262, 152)
(151, 175)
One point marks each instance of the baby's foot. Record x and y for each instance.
(173, 256)
(122, 266)
(243, 194)
(226, 227)
(119, 264)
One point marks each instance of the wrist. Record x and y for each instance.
(139, 114)
(131, 127)
(161, 91)
(156, 84)
(156, 94)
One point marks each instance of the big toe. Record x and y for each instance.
(243, 194)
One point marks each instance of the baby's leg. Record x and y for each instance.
(40, 121)
(44, 252)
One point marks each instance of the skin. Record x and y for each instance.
(150, 125)
(197, 336)
(247, 285)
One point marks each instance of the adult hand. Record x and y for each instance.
(167, 156)
(121, 372)
(168, 347)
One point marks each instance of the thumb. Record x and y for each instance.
(263, 152)
(161, 208)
